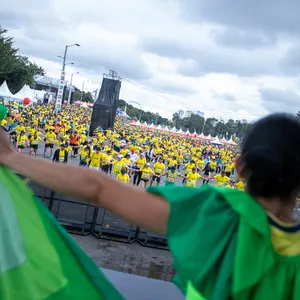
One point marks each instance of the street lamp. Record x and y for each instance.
(69, 97)
(65, 55)
(83, 89)
(60, 91)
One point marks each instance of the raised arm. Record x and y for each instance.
(134, 205)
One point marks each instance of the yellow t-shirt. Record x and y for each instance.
(189, 167)
(61, 155)
(140, 162)
(285, 237)
(172, 163)
(34, 141)
(50, 137)
(201, 164)
(118, 166)
(221, 180)
(106, 159)
(213, 165)
(19, 129)
(124, 178)
(159, 168)
(146, 173)
(95, 160)
(240, 186)
(192, 179)
(22, 140)
(84, 155)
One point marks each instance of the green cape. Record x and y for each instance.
(39, 260)
(221, 243)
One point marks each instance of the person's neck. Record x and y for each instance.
(282, 211)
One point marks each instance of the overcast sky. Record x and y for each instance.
(227, 58)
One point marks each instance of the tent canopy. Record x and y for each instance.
(4, 91)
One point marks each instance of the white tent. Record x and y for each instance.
(187, 132)
(4, 91)
(216, 141)
(24, 92)
(165, 129)
(180, 131)
(202, 136)
(138, 123)
(152, 126)
(158, 127)
(174, 130)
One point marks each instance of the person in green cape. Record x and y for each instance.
(226, 244)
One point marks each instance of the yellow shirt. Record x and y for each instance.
(61, 155)
(124, 178)
(213, 164)
(118, 166)
(240, 186)
(285, 237)
(95, 160)
(228, 168)
(84, 155)
(50, 137)
(189, 167)
(146, 173)
(34, 141)
(192, 179)
(19, 129)
(172, 163)
(22, 140)
(126, 161)
(201, 164)
(106, 159)
(140, 162)
(159, 168)
(221, 180)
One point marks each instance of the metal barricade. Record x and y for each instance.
(74, 215)
(152, 240)
(111, 227)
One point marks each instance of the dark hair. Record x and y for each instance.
(271, 156)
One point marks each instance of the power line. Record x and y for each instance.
(185, 104)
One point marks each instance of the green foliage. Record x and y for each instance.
(17, 70)
(144, 116)
(194, 121)
(191, 120)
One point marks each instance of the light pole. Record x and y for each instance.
(83, 89)
(62, 79)
(70, 87)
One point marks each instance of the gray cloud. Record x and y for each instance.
(201, 59)
(268, 16)
(290, 63)
(171, 87)
(39, 32)
(233, 37)
(274, 100)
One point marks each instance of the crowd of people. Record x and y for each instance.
(141, 156)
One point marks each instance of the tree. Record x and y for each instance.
(17, 70)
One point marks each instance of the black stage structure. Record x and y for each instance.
(105, 106)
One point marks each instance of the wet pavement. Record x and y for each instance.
(129, 258)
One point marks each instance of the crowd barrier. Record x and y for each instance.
(84, 219)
